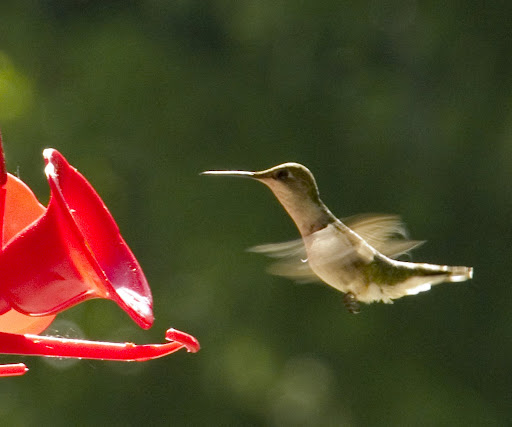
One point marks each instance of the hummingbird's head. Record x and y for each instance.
(289, 181)
(295, 187)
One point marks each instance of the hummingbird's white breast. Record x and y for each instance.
(332, 254)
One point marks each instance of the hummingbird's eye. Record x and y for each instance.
(282, 174)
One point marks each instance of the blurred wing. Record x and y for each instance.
(292, 260)
(386, 233)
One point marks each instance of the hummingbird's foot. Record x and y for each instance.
(351, 303)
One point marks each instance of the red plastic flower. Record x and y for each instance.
(54, 258)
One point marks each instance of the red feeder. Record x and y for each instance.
(52, 259)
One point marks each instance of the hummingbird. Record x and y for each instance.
(357, 256)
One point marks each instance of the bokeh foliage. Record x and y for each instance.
(396, 106)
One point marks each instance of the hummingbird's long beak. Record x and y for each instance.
(242, 174)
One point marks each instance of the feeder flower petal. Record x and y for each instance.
(71, 253)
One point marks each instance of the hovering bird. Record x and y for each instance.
(357, 256)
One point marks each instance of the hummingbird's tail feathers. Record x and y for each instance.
(450, 273)
(292, 263)
(385, 232)
(460, 274)
(428, 275)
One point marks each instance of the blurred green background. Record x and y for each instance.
(396, 106)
